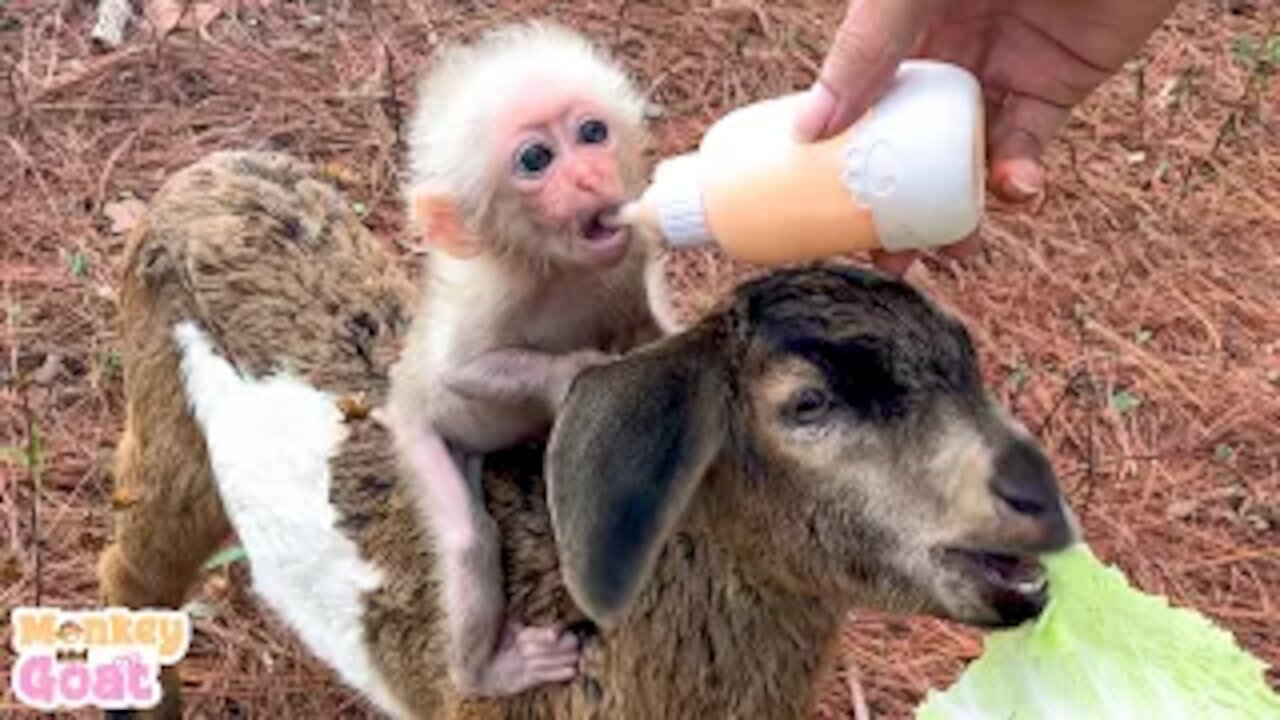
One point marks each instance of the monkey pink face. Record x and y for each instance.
(562, 156)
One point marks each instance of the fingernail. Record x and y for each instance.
(1025, 184)
(815, 112)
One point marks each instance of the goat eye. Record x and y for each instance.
(533, 158)
(593, 132)
(808, 406)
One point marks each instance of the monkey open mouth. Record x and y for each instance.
(602, 236)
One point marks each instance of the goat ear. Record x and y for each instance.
(627, 452)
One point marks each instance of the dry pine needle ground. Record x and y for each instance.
(1132, 317)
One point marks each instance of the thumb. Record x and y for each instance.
(873, 38)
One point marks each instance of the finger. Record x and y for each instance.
(546, 662)
(569, 644)
(537, 637)
(966, 248)
(870, 42)
(557, 674)
(557, 658)
(1022, 129)
(894, 263)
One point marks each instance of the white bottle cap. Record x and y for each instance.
(676, 197)
(918, 161)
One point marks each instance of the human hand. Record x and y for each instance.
(1035, 59)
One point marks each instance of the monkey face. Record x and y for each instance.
(563, 156)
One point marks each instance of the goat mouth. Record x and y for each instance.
(1015, 585)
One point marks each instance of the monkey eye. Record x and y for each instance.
(593, 132)
(533, 158)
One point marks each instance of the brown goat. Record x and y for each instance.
(720, 498)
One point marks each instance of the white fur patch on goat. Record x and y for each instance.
(270, 441)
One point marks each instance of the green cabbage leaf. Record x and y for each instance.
(1103, 649)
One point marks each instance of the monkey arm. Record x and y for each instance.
(520, 375)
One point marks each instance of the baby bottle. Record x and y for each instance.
(907, 175)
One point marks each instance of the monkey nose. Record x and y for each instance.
(589, 181)
(595, 181)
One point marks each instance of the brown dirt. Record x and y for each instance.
(1132, 317)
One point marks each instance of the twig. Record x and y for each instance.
(35, 470)
(110, 163)
(391, 102)
(97, 68)
(1058, 401)
(857, 696)
(1262, 553)
(1090, 475)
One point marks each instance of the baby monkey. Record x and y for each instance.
(522, 146)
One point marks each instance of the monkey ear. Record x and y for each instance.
(442, 228)
(662, 307)
(629, 448)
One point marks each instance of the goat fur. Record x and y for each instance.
(274, 269)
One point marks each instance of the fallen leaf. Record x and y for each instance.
(200, 610)
(225, 557)
(10, 569)
(164, 15)
(49, 370)
(167, 15)
(122, 498)
(205, 13)
(1182, 509)
(339, 174)
(354, 407)
(69, 72)
(1124, 401)
(78, 264)
(123, 214)
(14, 455)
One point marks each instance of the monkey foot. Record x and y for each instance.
(528, 657)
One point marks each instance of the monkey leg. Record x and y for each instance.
(488, 654)
(168, 521)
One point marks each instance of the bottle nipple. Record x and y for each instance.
(631, 213)
(673, 203)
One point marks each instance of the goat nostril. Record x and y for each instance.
(1021, 505)
(1024, 481)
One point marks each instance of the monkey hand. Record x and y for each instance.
(566, 368)
(526, 657)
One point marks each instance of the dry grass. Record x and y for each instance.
(1133, 317)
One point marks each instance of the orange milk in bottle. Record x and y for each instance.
(907, 175)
